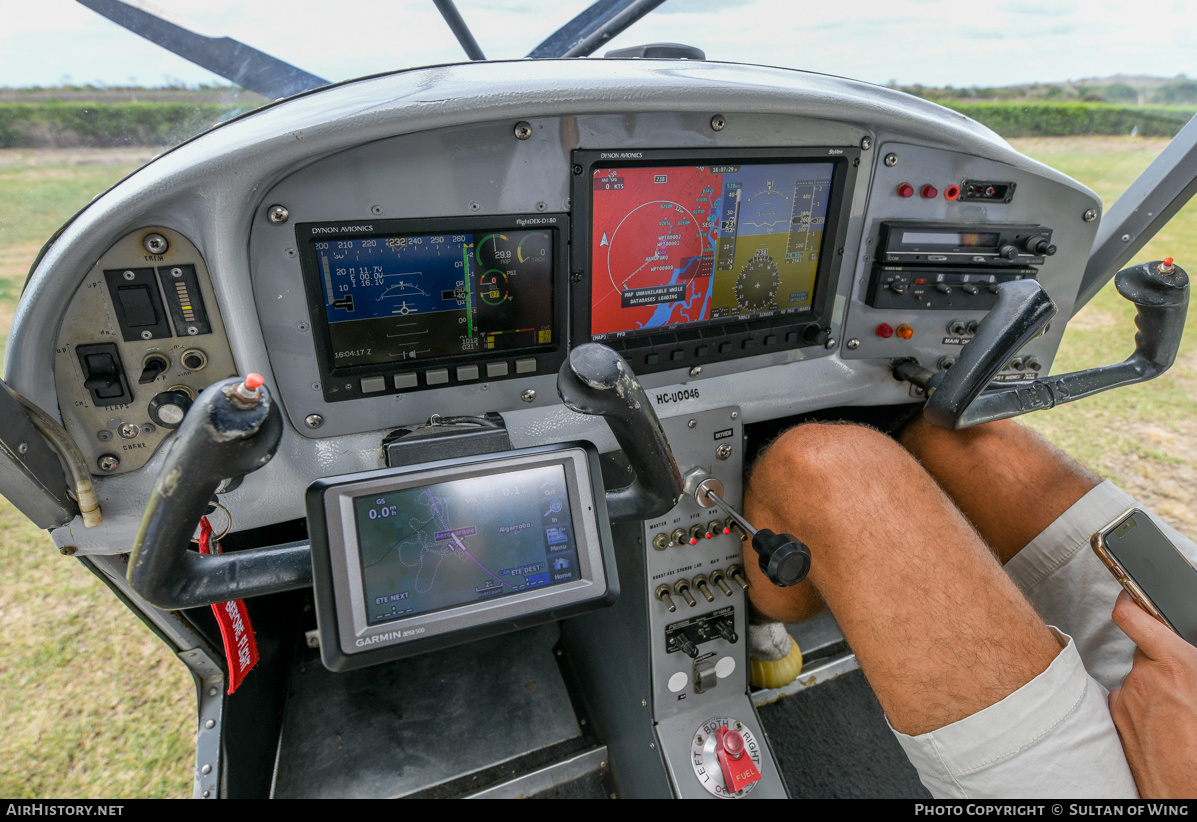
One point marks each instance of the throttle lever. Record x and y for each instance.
(1160, 292)
(783, 558)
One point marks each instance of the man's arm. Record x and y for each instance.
(1155, 711)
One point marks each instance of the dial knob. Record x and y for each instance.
(1041, 246)
(168, 408)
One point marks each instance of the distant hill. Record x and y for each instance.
(1125, 90)
(131, 94)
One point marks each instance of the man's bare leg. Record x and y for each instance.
(1008, 481)
(939, 629)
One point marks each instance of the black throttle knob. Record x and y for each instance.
(784, 560)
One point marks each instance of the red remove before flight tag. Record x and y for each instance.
(240, 648)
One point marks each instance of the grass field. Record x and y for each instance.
(92, 705)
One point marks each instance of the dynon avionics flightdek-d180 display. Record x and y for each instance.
(700, 256)
(411, 559)
(401, 305)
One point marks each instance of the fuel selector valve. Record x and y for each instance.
(783, 558)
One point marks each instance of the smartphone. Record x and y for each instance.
(1155, 574)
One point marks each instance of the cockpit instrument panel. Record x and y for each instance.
(401, 305)
(688, 251)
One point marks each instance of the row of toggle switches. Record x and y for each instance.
(680, 536)
(702, 584)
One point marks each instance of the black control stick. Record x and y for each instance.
(1160, 292)
(233, 428)
(596, 380)
(783, 558)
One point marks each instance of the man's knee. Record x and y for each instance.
(826, 463)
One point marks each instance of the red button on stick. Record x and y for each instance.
(253, 381)
(906, 190)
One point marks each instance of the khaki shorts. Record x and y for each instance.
(1053, 737)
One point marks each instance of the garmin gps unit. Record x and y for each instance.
(412, 559)
(691, 257)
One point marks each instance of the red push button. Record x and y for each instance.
(930, 192)
(906, 190)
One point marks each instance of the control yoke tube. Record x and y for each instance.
(1160, 292)
(231, 430)
(596, 380)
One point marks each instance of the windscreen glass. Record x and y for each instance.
(437, 546)
(409, 297)
(682, 245)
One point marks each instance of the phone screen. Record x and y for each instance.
(1159, 569)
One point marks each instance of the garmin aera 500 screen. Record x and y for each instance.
(677, 245)
(394, 298)
(438, 546)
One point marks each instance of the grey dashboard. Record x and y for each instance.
(463, 145)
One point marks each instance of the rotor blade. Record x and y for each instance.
(593, 27)
(460, 30)
(231, 59)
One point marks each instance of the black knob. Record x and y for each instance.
(1009, 252)
(818, 336)
(168, 408)
(1040, 246)
(784, 560)
(727, 630)
(683, 644)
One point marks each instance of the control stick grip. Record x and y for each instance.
(233, 428)
(595, 380)
(1160, 292)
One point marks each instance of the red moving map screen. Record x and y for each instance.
(677, 245)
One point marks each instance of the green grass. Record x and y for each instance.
(91, 703)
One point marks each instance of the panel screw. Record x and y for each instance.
(474, 206)
(210, 724)
(129, 275)
(1126, 238)
(22, 448)
(528, 394)
(691, 423)
(147, 335)
(718, 122)
(695, 371)
(853, 344)
(376, 210)
(176, 272)
(109, 462)
(278, 214)
(830, 344)
(542, 206)
(302, 326)
(67, 550)
(155, 243)
(1090, 215)
(891, 159)
(128, 431)
(206, 769)
(866, 143)
(313, 420)
(522, 130)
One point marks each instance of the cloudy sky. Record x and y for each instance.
(935, 42)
